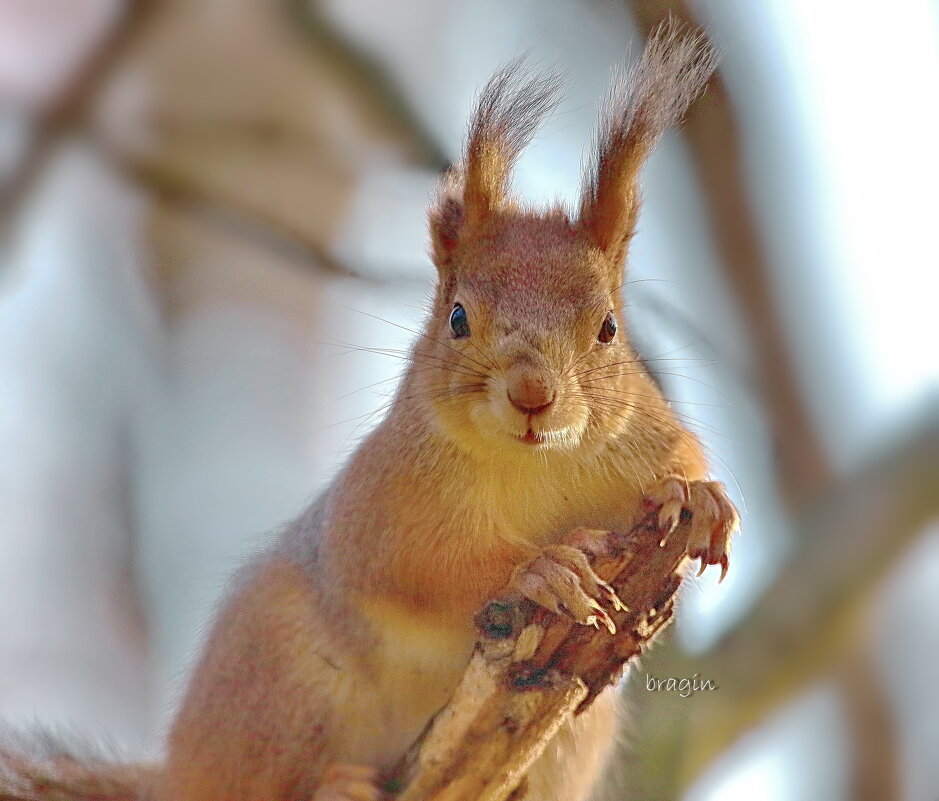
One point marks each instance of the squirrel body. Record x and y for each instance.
(525, 414)
(355, 685)
(364, 611)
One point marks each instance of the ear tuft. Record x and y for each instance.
(673, 70)
(508, 112)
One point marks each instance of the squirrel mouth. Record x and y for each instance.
(532, 438)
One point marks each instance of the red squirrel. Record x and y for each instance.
(525, 413)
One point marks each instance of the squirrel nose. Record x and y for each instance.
(530, 395)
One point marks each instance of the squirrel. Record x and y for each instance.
(525, 413)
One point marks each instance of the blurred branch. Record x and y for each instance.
(814, 611)
(851, 543)
(875, 761)
(238, 216)
(266, 169)
(714, 141)
(362, 70)
(282, 162)
(70, 110)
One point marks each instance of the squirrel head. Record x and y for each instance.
(526, 347)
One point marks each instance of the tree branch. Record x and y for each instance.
(533, 670)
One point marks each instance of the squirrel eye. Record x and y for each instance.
(608, 329)
(458, 322)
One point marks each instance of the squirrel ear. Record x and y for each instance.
(446, 219)
(508, 112)
(672, 71)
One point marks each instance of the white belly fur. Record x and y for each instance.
(410, 676)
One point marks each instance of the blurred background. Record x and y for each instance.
(206, 206)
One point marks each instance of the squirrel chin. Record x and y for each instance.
(533, 438)
(549, 440)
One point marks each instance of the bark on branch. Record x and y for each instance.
(532, 670)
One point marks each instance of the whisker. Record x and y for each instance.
(367, 386)
(414, 331)
(438, 392)
(658, 372)
(681, 432)
(633, 447)
(662, 415)
(609, 366)
(416, 370)
(604, 388)
(409, 356)
(680, 347)
(642, 362)
(577, 361)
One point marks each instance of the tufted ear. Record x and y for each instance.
(507, 115)
(446, 219)
(672, 71)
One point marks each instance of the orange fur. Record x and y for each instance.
(341, 643)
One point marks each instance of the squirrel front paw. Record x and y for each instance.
(713, 517)
(342, 782)
(562, 581)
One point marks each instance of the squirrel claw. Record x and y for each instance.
(669, 516)
(603, 616)
(561, 580)
(712, 516)
(670, 496)
(614, 600)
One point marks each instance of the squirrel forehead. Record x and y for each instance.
(541, 259)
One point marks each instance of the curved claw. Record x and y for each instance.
(705, 505)
(615, 601)
(725, 566)
(601, 616)
(561, 578)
